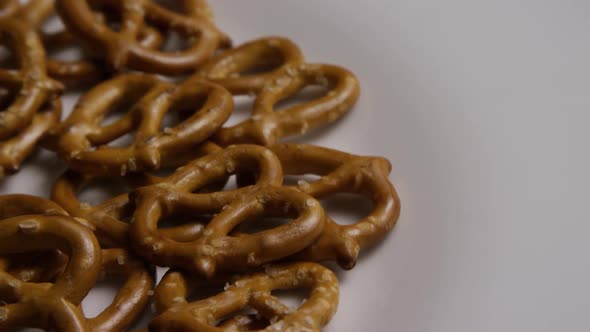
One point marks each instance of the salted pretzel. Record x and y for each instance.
(215, 249)
(131, 299)
(82, 139)
(9, 7)
(121, 49)
(342, 172)
(108, 217)
(252, 291)
(32, 101)
(48, 305)
(267, 125)
(231, 68)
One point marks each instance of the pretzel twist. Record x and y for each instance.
(253, 291)
(343, 173)
(107, 218)
(121, 48)
(35, 106)
(215, 249)
(82, 140)
(47, 305)
(283, 75)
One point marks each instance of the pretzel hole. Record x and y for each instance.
(175, 41)
(7, 58)
(299, 180)
(7, 97)
(347, 208)
(242, 109)
(65, 52)
(172, 5)
(53, 24)
(181, 110)
(307, 94)
(101, 296)
(101, 189)
(292, 298)
(205, 290)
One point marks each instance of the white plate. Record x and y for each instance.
(483, 108)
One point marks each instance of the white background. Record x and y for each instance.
(483, 109)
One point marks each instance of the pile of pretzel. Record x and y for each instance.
(53, 252)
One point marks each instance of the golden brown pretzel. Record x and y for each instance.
(253, 291)
(266, 126)
(131, 299)
(43, 266)
(35, 106)
(342, 172)
(107, 217)
(46, 305)
(121, 48)
(215, 249)
(270, 53)
(82, 140)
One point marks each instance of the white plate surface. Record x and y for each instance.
(483, 108)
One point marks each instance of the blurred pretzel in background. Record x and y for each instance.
(83, 140)
(121, 49)
(253, 291)
(28, 98)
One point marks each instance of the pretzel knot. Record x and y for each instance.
(107, 218)
(279, 73)
(343, 173)
(252, 291)
(48, 305)
(214, 248)
(82, 139)
(30, 97)
(122, 48)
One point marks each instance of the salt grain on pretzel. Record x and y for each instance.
(252, 291)
(122, 49)
(82, 139)
(33, 99)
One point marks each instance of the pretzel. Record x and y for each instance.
(266, 126)
(251, 291)
(35, 107)
(107, 217)
(343, 172)
(121, 48)
(47, 305)
(82, 141)
(269, 52)
(131, 299)
(215, 249)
